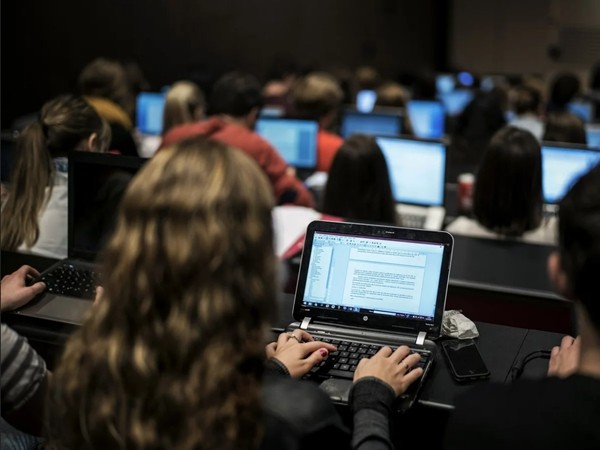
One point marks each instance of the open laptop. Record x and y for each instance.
(582, 108)
(377, 123)
(427, 118)
(97, 183)
(456, 100)
(562, 165)
(592, 133)
(150, 107)
(365, 100)
(417, 171)
(363, 286)
(294, 139)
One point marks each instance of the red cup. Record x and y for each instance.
(466, 182)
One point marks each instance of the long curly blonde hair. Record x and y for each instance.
(172, 355)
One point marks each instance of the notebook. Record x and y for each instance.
(294, 139)
(97, 183)
(427, 118)
(562, 165)
(417, 171)
(362, 286)
(378, 123)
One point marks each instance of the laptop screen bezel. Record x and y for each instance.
(90, 158)
(374, 322)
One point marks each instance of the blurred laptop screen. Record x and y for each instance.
(294, 139)
(427, 118)
(456, 100)
(593, 135)
(583, 109)
(373, 124)
(365, 100)
(417, 170)
(149, 112)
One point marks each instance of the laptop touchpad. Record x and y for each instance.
(337, 389)
(65, 309)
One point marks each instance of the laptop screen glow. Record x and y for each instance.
(427, 118)
(593, 136)
(374, 275)
(365, 100)
(417, 170)
(444, 83)
(149, 112)
(371, 124)
(295, 140)
(584, 110)
(456, 100)
(562, 166)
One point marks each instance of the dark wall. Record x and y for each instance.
(45, 44)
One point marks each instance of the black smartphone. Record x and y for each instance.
(464, 360)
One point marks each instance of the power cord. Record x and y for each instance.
(517, 369)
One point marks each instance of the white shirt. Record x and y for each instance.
(531, 123)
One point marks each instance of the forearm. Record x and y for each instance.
(371, 401)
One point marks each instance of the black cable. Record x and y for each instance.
(517, 369)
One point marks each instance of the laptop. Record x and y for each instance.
(365, 100)
(592, 133)
(97, 183)
(362, 286)
(417, 171)
(427, 118)
(150, 107)
(294, 139)
(584, 109)
(562, 165)
(444, 83)
(377, 123)
(456, 101)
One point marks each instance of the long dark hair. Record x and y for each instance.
(508, 195)
(358, 185)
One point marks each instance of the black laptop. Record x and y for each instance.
(97, 183)
(362, 286)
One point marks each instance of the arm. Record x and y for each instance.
(14, 290)
(564, 360)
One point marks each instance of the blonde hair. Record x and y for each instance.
(64, 123)
(182, 100)
(316, 94)
(172, 356)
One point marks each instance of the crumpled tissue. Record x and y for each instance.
(455, 324)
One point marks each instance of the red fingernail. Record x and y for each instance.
(323, 352)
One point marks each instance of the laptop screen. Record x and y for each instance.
(97, 183)
(417, 170)
(583, 109)
(372, 124)
(444, 83)
(294, 139)
(562, 166)
(149, 112)
(365, 100)
(427, 118)
(456, 100)
(593, 135)
(371, 274)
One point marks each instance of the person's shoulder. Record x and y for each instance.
(187, 130)
(328, 138)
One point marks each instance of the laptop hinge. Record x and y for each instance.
(421, 337)
(304, 324)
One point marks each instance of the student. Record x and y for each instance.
(184, 103)
(174, 355)
(234, 106)
(564, 88)
(563, 410)
(358, 185)
(105, 85)
(318, 96)
(507, 198)
(34, 217)
(565, 127)
(527, 104)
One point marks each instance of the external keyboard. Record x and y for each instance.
(70, 280)
(413, 220)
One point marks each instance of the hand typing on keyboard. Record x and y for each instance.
(298, 351)
(394, 368)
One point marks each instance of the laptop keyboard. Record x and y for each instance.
(70, 280)
(413, 220)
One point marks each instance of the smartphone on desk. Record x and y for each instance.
(464, 360)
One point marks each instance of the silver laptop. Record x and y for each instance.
(417, 171)
(96, 184)
(362, 286)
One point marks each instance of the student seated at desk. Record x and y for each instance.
(174, 355)
(34, 217)
(184, 103)
(565, 127)
(507, 198)
(563, 410)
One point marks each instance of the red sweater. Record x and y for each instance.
(327, 146)
(286, 187)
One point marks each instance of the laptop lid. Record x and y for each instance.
(592, 133)
(150, 107)
(374, 123)
(417, 169)
(427, 118)
(294, 139)
(97, 182)
(562, 165)
(375, 277)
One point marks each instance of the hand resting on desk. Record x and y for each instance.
(15, 289)
(564, 360)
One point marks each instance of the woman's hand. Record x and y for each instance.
(564, 360)
(15, 291)
(298, 351)
(390, 367)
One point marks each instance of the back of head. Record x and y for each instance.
(391, 94)
(184, 103)
(188, 292)
(565, 127)
(358, 185)
(508, 191)
(563, 89)
(367, 77)
(107, 79)
(236, 94)
(579, 238)
(527, 99)
(67, 123)
(316, 95)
